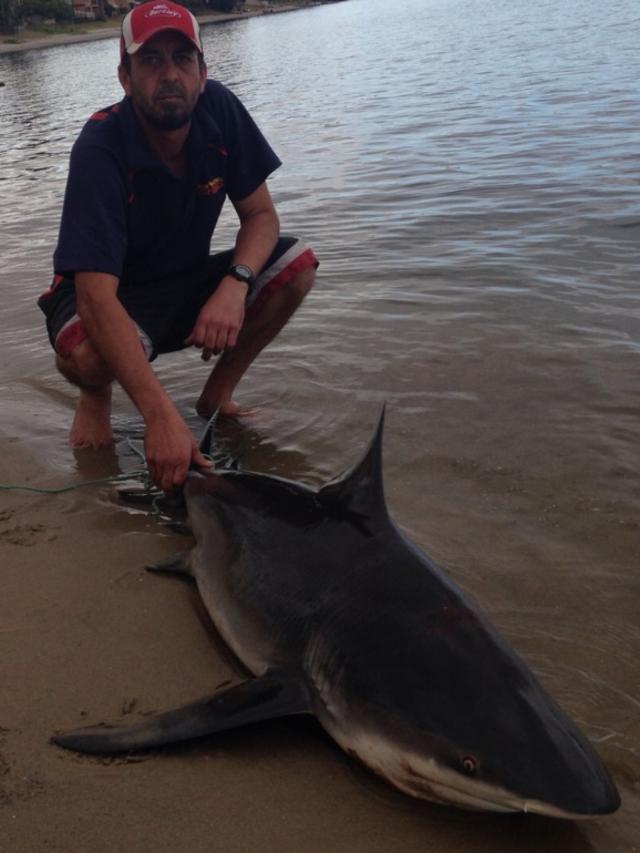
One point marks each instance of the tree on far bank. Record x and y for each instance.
(8, 15)
(224, 5)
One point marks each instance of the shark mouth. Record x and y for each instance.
(424, 778)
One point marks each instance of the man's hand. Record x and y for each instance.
(169, 448)
(220, 319)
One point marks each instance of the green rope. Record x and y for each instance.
(117, 478)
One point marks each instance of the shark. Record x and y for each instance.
(336, 613)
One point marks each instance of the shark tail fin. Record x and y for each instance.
(257, 699)
(360, 490)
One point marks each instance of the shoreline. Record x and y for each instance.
(113, 31)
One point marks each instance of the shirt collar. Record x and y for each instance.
(204, 132)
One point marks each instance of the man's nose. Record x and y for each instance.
(169, 68)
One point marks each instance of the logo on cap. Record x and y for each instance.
(162, 9)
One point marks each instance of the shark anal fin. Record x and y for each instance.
(257, 699)
(177, 563)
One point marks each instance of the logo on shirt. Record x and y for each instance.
(210, 188)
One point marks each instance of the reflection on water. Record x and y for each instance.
(467, 172)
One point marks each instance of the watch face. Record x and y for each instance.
(243, 273)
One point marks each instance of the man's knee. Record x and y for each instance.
(301, 283)
(83, 366)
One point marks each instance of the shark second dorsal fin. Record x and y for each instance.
(360, 491)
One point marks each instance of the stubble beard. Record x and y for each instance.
(167, 115)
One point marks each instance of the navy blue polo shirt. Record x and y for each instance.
(126, 214)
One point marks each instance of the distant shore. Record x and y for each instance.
(33, 40)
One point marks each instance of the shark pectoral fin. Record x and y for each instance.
(273, 695)
(177, 563)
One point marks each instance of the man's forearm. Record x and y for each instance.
(259, 229)
(256, 239)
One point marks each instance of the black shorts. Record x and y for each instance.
(165, 311)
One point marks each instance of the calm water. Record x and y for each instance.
(468, 174)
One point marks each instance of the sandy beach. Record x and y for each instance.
(111, 29)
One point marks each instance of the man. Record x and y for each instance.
(133, 276)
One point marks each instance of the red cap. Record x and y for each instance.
(149, 19)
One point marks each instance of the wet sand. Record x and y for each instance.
(89, 636)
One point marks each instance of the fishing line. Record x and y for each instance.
(142, 473)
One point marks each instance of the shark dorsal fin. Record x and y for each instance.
(360, 491)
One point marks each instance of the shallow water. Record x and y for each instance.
(467, 173)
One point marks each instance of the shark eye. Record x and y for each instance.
(469, 765)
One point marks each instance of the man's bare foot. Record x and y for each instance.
(91, 427)
(228, 409)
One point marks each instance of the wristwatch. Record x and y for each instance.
(243, 273)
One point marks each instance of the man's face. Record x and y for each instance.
(164, 80)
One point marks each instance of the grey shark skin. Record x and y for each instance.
(337, 614)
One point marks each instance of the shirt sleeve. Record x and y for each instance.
(93, 229)
(251, 158)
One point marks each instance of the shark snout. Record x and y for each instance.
(589, 796)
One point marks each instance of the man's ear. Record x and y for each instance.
(203, 75)
(123, 77)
